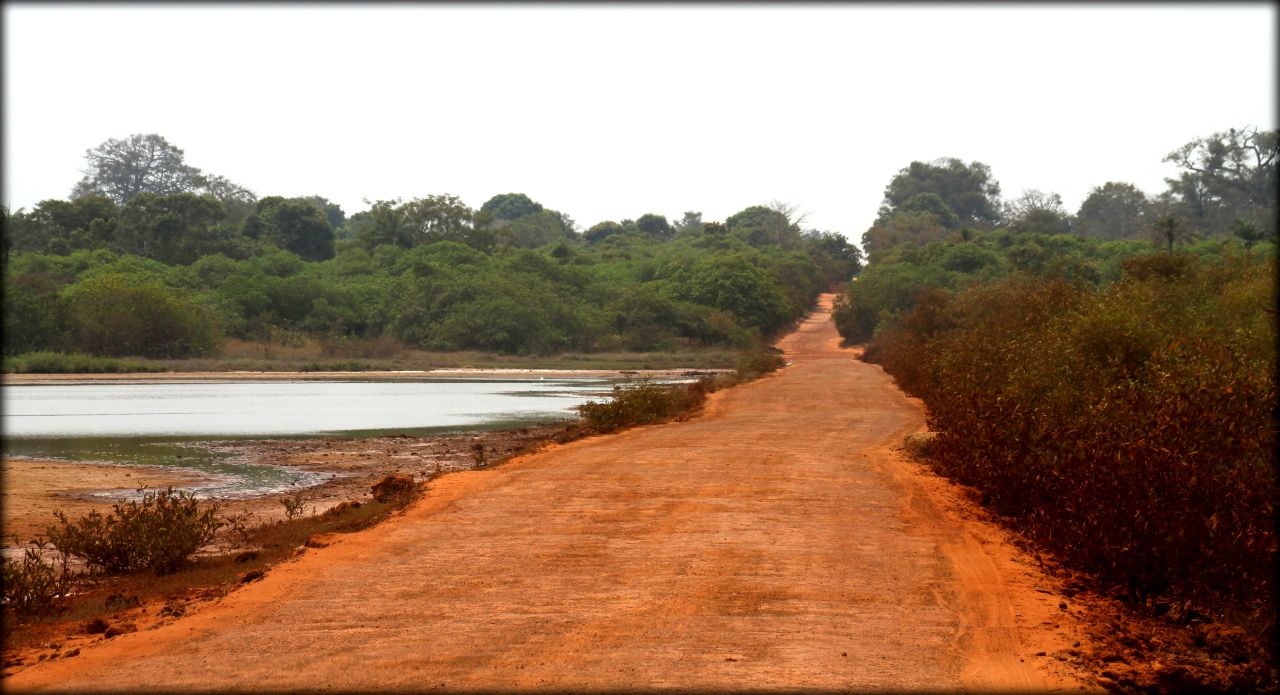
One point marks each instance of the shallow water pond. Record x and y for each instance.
(158, 423)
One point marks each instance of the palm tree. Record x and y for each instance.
(1169, 229)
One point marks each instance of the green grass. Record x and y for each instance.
(76, 363)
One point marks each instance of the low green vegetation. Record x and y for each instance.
(647, 403)
(642, 403)
(157, 533)
(45, 362)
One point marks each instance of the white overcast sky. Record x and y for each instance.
(609, 112)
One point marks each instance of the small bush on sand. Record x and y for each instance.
(295, 505)
(158, 533)
(34, 585)
(395, 489)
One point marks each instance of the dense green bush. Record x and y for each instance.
(642, 403)
(116, 314)
(157, 533)
(1129, 428)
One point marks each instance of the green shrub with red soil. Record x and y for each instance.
(1130, 429)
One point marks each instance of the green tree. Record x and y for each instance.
(438, 218)
(1037, 212)
(535, 230)
(1227, 176)
(510, 206)
(602, 230)
(114, 314)
(122, 169)
(1113, 211)
(690, 223)
(61, 226)
(237, 201)
(293, 224)
(759, 225)
(967, 189)
(332, 211)
(1168, 230)
(738, 286)
(655, 226)
(174, 228)
(932, 203)
(901, 227)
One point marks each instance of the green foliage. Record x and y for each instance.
(115, 314)
(967, 190)
(174, 228)
(514, 278)
(510, 206)
(34, 585)
(757, 362)
(157, 533)
(296, 225)
(123, 169)
(1129, 428)
(642, 403)
(75, 363)
(1114, 211)
(1227, 176)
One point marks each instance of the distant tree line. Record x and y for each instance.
(1227, 188)
(150, 256)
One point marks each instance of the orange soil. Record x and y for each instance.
(35, 489)
(778, 540)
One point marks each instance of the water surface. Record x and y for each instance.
(159, 423)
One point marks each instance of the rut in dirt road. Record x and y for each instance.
(777, 540)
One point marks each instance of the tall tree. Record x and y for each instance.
(174, 228)
(967, 189)
(237, 200)
(1228, 176)
(293, 224)
(510, 206)
(655, 225)
(759, 225)
(1037, 212)
(1114, 211)
(919, 228)
(121, 169)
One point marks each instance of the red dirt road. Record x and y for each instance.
(778, 540)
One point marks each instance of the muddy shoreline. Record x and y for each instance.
(35, 488)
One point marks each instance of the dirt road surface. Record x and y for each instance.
(779, 540)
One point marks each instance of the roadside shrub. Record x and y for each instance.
(34, 585)
(642, 403)
(158, 533)
(757, 362)
(1130, 429)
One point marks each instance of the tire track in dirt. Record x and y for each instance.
(779, 540)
